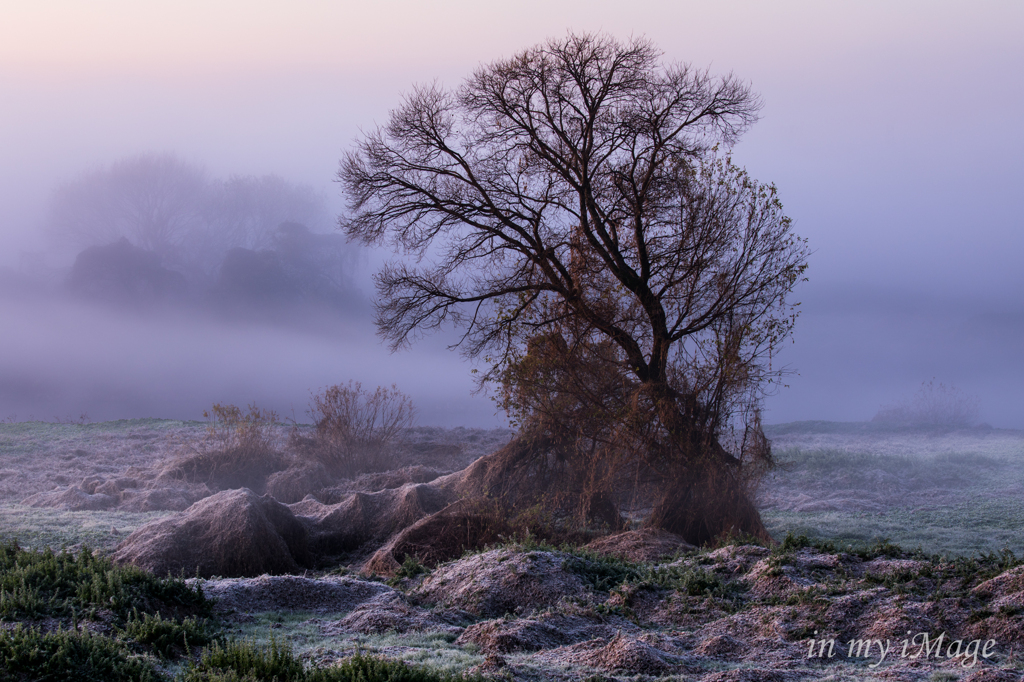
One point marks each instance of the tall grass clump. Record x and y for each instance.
(246, 660)
(168, 637)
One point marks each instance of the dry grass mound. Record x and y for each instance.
(547, 631)
(765, 675)
(364, 518)
(233, 533)
(445, 535)
(124, 493)
(162, 498)
(502, 581)
(388, 612)
(395, 478)
(991, 675)
(71, 498)
(644, 545)
(332, 594)
(1005, 588)
(621, 654)
(297, 481)
(228, 469)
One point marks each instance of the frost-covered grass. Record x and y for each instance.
(40, 456)
(947, 492)
(38, 528)
(302, 632)
(883, 439)
(965, 529)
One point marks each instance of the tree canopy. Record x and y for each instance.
(572, 203)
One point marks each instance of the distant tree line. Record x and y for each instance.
(155, 228)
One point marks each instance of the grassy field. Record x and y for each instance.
(964, 530)
(955, 493)
(35, 528)
(947, 492)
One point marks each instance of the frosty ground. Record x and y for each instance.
(640, 606)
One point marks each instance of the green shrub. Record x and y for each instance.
(361, 668)
(63, 585)
(27, 654)
(692, 580)
(246, 661)
(602, 573)
(880, 548)
(411, 568)
(167, 636)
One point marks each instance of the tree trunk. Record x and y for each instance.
(706, 492)
(708, 504)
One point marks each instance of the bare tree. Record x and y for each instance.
(569, 209)
(156, 201)
(248, 210)
(163, 204)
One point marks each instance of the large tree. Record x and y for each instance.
(570, 210)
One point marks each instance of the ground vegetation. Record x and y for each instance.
(514, 603)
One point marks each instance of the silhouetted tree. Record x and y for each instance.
(247, 211)
(156, 201)
(123, 273)
(298, 264)
(567, 207)
(170, 207)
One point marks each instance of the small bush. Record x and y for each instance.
(239, 451)
(880, 548)
(245, 660)
(600, 572)
(354, 427)
(168, 637)
(63, 585)
(693, 581)
(361, 668)
(28, 654)
(411, 568)
(232, 428)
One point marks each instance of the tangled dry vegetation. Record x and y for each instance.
(415, 563)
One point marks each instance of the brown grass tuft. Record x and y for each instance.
(355, 427)
(239, 451)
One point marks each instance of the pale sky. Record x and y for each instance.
(894, 131)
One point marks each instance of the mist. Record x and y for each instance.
(892, 133)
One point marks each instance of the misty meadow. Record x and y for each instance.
(548, 384)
